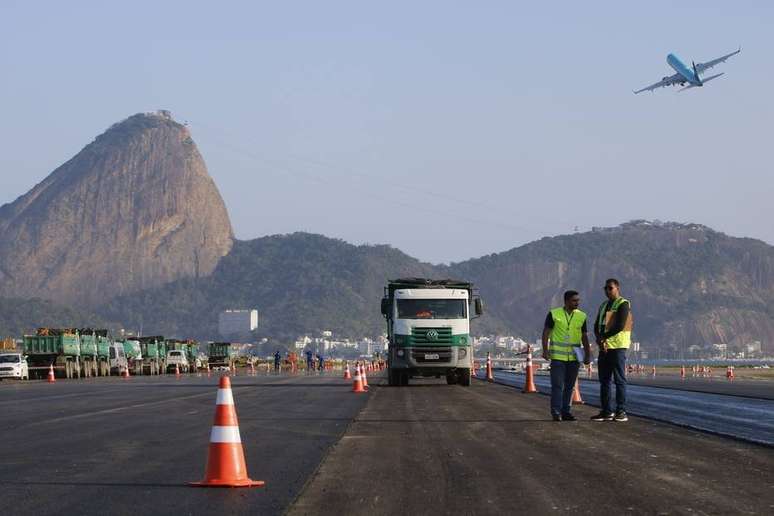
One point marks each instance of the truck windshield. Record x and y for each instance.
(432, 308)
(9, 359)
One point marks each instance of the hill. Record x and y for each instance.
(134, 209)
(690, 287)
(22, 316)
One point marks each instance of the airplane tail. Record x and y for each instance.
(708, 79)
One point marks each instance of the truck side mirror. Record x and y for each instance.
(386, 306)
(479, 305)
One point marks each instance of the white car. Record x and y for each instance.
(14, 365)
(177, 357)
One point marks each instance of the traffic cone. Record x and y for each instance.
(51, 378)
(653, 372)
(588, 370)
(357, 383)
(347, 374)
(125, 373)
(682, 372)
(489, 375)
(729, 373)
(529, 381)
(363, 376)
(226, 458)
(177, 371)
(576, 396)
(209, 371)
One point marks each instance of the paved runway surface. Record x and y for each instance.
(763, 389)
(733, 416)
(109, 446)
(488, 449)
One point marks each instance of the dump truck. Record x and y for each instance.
(151, 358)
(111, 358)
(89, 353)
(57, 347)
(133, 352)
(428, 329)
(221, 354)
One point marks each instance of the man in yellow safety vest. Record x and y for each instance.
(613, 332)
(563, 333)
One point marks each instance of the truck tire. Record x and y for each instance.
(392, 381)
(404, 378)
(451, 377)
(463, 376)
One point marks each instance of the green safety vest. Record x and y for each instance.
(623, 338)
(566, 334)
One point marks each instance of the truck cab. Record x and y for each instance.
(428, 329)
(117, 360)
(14, 365)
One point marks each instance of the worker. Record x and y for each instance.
(320, 363)
(277, 358)
(563, 333)
(613, 333)
(309, 361)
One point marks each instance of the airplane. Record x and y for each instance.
(692, 76)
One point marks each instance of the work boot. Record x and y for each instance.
(556, 417)
(603, 416)
(568, 417)
(620, 416)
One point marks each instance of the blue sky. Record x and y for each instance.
(447, 129)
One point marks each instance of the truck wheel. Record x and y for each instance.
(451, 377)
(391, 380)
(464, 377)
(404, 378)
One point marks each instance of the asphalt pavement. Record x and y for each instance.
(740, 417)
(431, 448)
(113, 446)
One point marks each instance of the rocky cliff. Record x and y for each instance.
(134, 209)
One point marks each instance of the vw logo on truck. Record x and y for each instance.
(432, 335)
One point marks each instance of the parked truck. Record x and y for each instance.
(110, 354)
(221, 354)
(133, 352)
(152, 362)
(428, 329)
(60, 348)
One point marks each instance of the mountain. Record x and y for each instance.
(134, 209)
(689, 286)
(22, 316)
(300, 283)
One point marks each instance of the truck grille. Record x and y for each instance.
(419, 336)
(6, 368)
(444, 354)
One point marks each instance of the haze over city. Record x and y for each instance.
(409, 123)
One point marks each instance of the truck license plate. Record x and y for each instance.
(432, 356)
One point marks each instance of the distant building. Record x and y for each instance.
(237, 322)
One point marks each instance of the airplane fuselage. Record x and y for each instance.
(687, 73)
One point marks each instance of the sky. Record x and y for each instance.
(450, 130)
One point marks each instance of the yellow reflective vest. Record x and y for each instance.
(566, 334)
(622, 339)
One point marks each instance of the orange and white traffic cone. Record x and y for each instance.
(729, 373)
(588, 370)
(529, 381)
(51, 378)
(177, 371)
(682, 372)
(653, 371)
(576, 395)
(209, 371)
(489, 375)
(347, 374)
(226, 459)
(363, 376)
(125, 373)
(357, 383)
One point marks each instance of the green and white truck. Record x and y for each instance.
(428, 329)
(221, 354)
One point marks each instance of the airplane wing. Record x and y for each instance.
(701, 67)
(666, 81)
